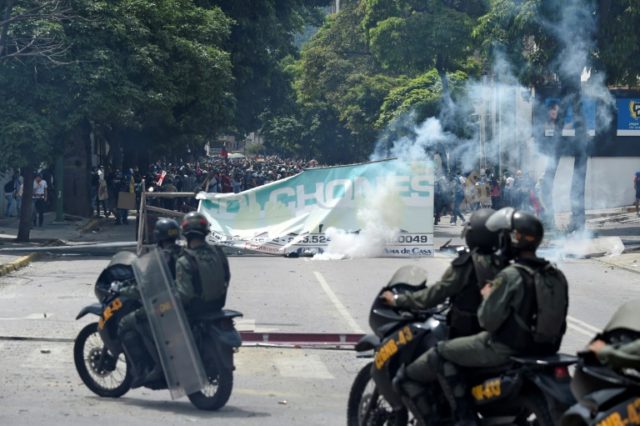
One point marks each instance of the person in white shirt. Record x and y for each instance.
(39, 199)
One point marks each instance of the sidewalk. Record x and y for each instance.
(68, 233)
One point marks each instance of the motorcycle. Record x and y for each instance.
(527, 390)
(607, 396)
(102, 363)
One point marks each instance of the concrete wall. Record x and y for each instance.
(609, 182)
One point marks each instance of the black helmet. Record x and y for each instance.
(477, 235)
(195, 224)
(524, 230)
(407, 279)
(166, 230)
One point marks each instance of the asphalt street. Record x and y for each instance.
(274, 386)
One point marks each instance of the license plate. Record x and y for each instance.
(108, 312)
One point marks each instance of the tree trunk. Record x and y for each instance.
(26, 218)
(77, 167)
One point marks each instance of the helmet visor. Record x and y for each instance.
(501, 220)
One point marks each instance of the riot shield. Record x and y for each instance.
(179, 356)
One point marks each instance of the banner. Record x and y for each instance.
(628, 116)
(383, 208)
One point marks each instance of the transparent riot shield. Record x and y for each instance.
(179, 356)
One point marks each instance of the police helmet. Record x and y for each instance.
(166, 230)
(195, 224)
(477, 235)
(407, 279)
(525, 231)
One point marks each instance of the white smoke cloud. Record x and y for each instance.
(380, 220)
(509, 141)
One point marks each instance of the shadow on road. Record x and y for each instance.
(183, 408)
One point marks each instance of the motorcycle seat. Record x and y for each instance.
(556, 360)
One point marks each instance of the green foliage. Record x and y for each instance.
(409, 36)
(421, 96)
(619, 41)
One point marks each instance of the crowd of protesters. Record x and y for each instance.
(457, 194)
(212, 175)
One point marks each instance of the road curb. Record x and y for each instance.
(19, 263)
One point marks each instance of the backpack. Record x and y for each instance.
(9, 187)
(549, 286)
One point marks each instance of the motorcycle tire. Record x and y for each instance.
(533, 404)
(355, 416)
(83, 366)
(220, 396)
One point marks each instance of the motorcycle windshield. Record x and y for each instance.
(179, 356)
(412, 275)
(627, 317)
(501, 220)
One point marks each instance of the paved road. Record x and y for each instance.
(38, 382)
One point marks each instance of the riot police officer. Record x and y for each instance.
(202, 271)
(134, 331)
(506, 297)
(462, 281)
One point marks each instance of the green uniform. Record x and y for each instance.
(461, 282)
(621, 356)
(202, 278)
(481, 349)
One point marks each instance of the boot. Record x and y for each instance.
(411, 392)
(457, 395)
(156, 372)
(135, 353)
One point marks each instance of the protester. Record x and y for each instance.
(10, 189)
(39, 199)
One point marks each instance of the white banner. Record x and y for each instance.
(374, 209)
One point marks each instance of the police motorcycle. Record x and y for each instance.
(607, 396)
(196, 360)
(526, 391)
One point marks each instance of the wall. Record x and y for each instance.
(609, 182)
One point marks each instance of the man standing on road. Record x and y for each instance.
(202, 272)
(39, 199)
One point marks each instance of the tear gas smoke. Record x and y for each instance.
(380, 224)
(507, 108)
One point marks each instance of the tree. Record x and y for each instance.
(411, 36)
(33, 29)
(133, 70)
